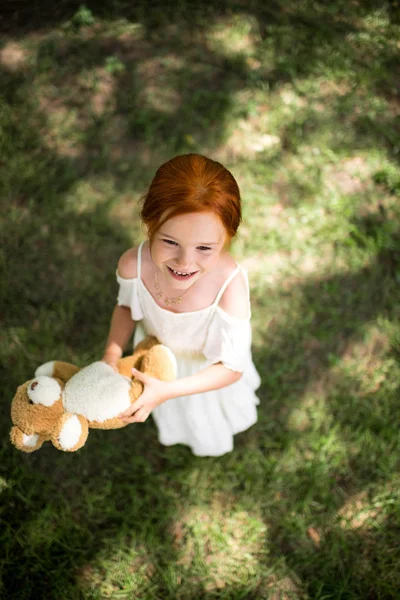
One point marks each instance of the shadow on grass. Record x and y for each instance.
(63, 511)
(58, 288)
(355, 452)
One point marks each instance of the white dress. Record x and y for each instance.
(208, 421)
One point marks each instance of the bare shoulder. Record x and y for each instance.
(235, 299)
(127, 264)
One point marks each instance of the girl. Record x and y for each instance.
(183, 287)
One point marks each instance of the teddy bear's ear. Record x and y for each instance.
(70, 432)
(26, 443)
(57, 368)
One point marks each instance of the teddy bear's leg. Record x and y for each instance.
(147, 343)
(125, 365)
(160, 362)
(135, 360)
(70, 432)
(152, 358)
(24, 442)
(57, 368)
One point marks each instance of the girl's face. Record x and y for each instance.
(188, 246)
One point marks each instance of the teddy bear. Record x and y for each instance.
(62, 402)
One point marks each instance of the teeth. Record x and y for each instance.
(179, 273)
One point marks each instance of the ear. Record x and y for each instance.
(57, 368)
(70, 432)
(24, 442)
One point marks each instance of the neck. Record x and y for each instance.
(167, 299)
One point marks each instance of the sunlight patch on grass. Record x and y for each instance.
(359, 513)
(124, 568)
(352, 176)
(103, 99)
(287, 269)
(318, 451)
(13, 56)
(290, 97)
(298, 420)
(97, 196)
(247, 141)
(124, 30)
(286, 587)
(367, 360)
(89, 193)
(221, 543)
(162, 99)
(233, 35)
(66, 124)
(157, 92)
(366, 510)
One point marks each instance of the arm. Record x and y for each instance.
(122, 325)
(157, 392)
(121, 329)
(213, 377)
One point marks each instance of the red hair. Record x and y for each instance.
(192, 183)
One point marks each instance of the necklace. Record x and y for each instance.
(167, 300)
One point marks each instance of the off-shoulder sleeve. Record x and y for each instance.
(128, 296)
(228, 341)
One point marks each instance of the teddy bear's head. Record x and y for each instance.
(36, 406)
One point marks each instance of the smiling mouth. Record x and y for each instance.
(181, 274)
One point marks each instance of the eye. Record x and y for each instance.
(203, 248)
(170, 242)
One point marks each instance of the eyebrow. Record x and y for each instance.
(171, 237)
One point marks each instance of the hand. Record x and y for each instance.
(155, 392)
(111, 360)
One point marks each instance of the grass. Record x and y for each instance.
(299, 101)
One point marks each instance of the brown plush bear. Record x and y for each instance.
(63, 401)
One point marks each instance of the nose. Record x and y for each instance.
(183, 258)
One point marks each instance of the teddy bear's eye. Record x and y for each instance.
(44, 390)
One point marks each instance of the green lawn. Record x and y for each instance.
(301, 101)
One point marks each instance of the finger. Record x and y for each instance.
(128, 420)
(139, 417)
(141, 376)
(131, 409)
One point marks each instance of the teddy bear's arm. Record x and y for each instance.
(57, 368)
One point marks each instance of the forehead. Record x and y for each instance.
(196, 227)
